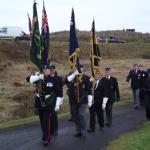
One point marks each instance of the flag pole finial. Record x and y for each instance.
(43, 4)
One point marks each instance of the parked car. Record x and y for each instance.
(25, 37)
(110, 39)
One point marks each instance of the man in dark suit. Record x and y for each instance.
(113, 94)
(81, 93)
(134, 76)
(100, 95)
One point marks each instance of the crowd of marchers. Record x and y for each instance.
(98, 93)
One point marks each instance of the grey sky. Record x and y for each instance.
(108, 14)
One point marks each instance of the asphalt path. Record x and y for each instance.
(125, 119)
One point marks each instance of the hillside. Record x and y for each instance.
(16, 96)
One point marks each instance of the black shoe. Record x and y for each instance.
(136, 107)
(108, 124)
(70, 119)
(78, 135)
(90, 130)
(45, 142)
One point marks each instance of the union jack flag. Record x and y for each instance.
(44, 37)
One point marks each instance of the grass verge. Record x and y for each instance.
(136, 140)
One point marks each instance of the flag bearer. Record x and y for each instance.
(81, 96)
(47, 100)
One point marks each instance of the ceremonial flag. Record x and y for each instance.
(44, 37)
(30, 27)
(95, 51)
(73, 47)
(35, 51)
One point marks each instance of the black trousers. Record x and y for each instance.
(45, 121)
(108, 110)
(147, 113)
(96, 110)
(71, 111)
(141, 96)
(54, 122)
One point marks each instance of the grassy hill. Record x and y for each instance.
(16, 96)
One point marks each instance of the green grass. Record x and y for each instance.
(122, 103)
(136, 140)
(19, 122)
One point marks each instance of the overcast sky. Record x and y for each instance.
(108, 14)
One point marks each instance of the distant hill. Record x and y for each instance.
(137, 46)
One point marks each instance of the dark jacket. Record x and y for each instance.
(135, 79)
(59, 82)
(112, 88)
(99, 92)
(79, 94)
(49, 86)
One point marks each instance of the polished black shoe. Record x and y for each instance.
(70, 119)
(136, 107)
(78, 135)
(45, 142)
(90, 130)
(108, 124)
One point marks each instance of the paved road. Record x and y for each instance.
(125, 119)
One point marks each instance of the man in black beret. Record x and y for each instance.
(80, 93)
(113, 94)
(48, 99)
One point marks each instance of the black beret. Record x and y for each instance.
(52, 66)
(107, 69)
(140, 66)
(47, 66)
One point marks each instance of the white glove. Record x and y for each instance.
(92, 79)
(76, 73)
(41, 77)
(62, 100)
(90, 99)
(37, 73)
(33, 78)
(58, 103)
(72, 76)
(105, 99)
(57, 108)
